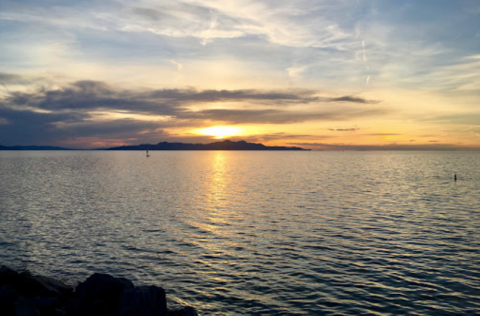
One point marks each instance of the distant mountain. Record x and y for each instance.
(224, 145)
(32, 148)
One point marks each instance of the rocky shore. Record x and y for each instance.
(24, 294)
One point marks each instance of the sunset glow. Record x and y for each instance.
(330, 75)
(221, 132)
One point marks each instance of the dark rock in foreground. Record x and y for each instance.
(23, 294)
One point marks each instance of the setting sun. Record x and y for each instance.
(221, 131)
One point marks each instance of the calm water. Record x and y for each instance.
(232, 233)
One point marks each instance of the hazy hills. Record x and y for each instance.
(32, 148)
(223, 145)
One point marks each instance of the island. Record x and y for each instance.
(223, 145)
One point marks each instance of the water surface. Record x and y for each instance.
(232, 233)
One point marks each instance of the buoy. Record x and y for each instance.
(455, 177)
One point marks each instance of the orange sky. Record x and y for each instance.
(316, 74)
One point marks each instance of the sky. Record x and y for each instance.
(320, 74)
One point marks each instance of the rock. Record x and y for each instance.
(26, 284)
(8, 297)
(144, 301)
(49, 303)
(7, 275)
(42, 286)
(184, 311)
(22, 294)
(26, 307)
(60, 312)
(101, 294)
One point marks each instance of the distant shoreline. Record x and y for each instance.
(223, 145)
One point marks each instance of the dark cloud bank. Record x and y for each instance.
(55, 116)
(435, 146)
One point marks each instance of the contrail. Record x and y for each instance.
(365, 61)
(364, 53)
(179, 66)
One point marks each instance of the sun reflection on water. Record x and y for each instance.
(219, 181)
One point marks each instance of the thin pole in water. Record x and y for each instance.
(455, 177)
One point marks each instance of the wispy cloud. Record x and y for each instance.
(309, 62)
(356, 147)
(350, 129)
(179, 66)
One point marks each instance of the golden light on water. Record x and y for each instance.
(221, 132)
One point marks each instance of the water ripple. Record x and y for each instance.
(252, 233)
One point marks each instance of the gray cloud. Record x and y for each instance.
(279, 136)
(152, 14)
(121, 129)
(434, 146)
(303, 96)
(272, 116)
(28, 127)
(88, 95)
(354, 100)
(52, 115)
(14, 79)
(7, 78)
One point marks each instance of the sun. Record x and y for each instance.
(221, 132)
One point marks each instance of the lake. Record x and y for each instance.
(252, 233)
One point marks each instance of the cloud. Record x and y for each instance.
(152, 14)
(91, 108)
(296, 72)
(9, 78)
(15, 79)
(26, 127)
(87, 95)
(179, 66)
(328, 146)
(352, 129)
(281, 136)
(272, 116)
(354, 99)
(471, 118)
(364, 53)
(382, 134)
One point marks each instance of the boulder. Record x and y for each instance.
(184, 311)
(7, 275)
(101, 294)
(27, 284)
(23, 294)
(26, 307)
(144, 301)
(41, 286)
(8, 297)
